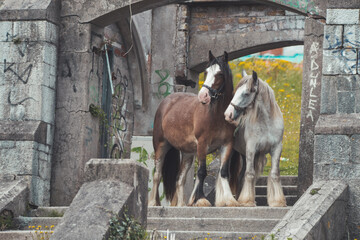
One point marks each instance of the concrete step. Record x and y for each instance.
(285, 180)
(212, 224)
(288, 190)
(261, 200)
(23, 223)
(47, 212)
(17, 235)
(200, 235)
(217, 212)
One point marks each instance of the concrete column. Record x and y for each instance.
(28, 50)
(310, 99)
(337, 132)
(80, 74)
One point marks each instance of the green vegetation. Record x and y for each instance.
(126, 228)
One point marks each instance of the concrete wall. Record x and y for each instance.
(28, 50)
(337, 132)
(240, 30)
(321, 214)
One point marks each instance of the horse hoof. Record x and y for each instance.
(230, 203)
(153, 204)
(203, 202)
(277, 204)
(247, 204)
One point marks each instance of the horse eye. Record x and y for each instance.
(246, 94)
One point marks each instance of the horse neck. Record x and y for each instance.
(265, 105)
(219, 105)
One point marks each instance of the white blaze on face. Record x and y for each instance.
(204, 95)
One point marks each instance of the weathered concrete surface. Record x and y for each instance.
(310, 99)
(30, 160)
(29, 10)
(23, 131)
(338, 124)
(14, 195)
(321, 214)
(76, 131)
(214, 222)
(240, 31)
(112, 187)
(127, 171)
(104, 12)
(337, 131)
(27, 86)
(89, 214)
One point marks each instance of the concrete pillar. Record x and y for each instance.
(310, 99)
(80, 73)
(337, 132)
(28, 50)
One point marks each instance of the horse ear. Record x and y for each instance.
(244, 74)
(255, 78)
(211, 56)
(226, 57)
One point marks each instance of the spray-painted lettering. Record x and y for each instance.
(164, 87)
(314, 49)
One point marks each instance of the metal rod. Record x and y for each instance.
(109, 71)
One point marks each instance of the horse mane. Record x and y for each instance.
(265, 95)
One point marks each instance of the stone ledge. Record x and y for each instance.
(319, 214)
(126, 171)
(342, 16)
(347, 124)
(91, 210)
(29, 10)
(13, 195)
(23, 131)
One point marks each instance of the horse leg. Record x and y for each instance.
(247, 195)
(197, 197)
(160, 152)
(275, 194)
(224, 195)
(260, 162)
(186, 163)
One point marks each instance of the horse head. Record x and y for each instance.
(244, 96)
(216, 75)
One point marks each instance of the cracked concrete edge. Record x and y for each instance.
(14, 195)
(30, 10)
(306, 217)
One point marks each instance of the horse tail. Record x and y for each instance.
(170, 172)
(237, 172)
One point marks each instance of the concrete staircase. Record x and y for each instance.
(42, 216)
(225, 222)
(186, 222)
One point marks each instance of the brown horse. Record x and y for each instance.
(194, 125)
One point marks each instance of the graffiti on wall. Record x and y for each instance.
(302, 5)
(18, 73)
(119, 123)
(314, 75)
(164, 87)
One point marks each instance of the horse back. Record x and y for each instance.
(174, 119)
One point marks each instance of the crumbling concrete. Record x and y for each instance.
(113, 187)
(321, 214)
(14, 195)
(337, 141)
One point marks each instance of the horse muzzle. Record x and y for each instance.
(204, 96)
(232, 114)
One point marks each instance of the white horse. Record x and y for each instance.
(260, 131)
